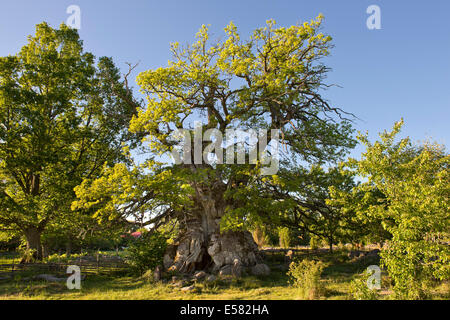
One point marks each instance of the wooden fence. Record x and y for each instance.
(99, 267)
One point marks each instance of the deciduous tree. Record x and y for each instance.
(273, 80)
(62, 117)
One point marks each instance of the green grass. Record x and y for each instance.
(9, 257)
(336, 278)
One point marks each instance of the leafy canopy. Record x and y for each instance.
(62, 117)
(413, 207)
(272, 80)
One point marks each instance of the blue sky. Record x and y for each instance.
(402, 70)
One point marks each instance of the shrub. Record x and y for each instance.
(411, 187)
(360, 290)
(146, 252)
(285, 237)
(315, 242)
(306, 277)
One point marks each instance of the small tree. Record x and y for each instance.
(414, 182)
(305, 207)
(146, 252)
(285, 237)
(306, 277)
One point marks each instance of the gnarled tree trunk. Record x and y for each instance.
(202, 245)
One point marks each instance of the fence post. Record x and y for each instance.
(98, 264)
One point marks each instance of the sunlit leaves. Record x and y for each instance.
(62, 116)
(407, 187)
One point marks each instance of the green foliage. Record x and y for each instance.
(305, 276)
(9, 240)
(27, 254)
(300, 201)
(314, 242)
(271, 80)
(146, 252)
(58, 258)
(360, 290)
(285, 237)
(62, 117)
(413, 208)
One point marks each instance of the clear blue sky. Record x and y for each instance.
(402, 70)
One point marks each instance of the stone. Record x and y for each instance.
(236, 270)
(190, 288)
(179, 284)
(157, 274)
(211, 278)
(49, 278)
(260, 269)
(200, 275)
(226, 270)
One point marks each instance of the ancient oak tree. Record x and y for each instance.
(270, 81)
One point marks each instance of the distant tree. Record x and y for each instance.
(61, 119)
(300, 202)
(82, 232)
(360, 226)
(284, 237)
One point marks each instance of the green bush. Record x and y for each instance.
(315, 242)
(146, 252)
(360, 290)
(406, 189)
(306, 277)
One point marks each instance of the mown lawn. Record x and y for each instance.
(335, 279)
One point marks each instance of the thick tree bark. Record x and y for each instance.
(33, 238)
(202, 245)
(216, 251)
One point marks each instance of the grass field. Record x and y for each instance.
(336, 277)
